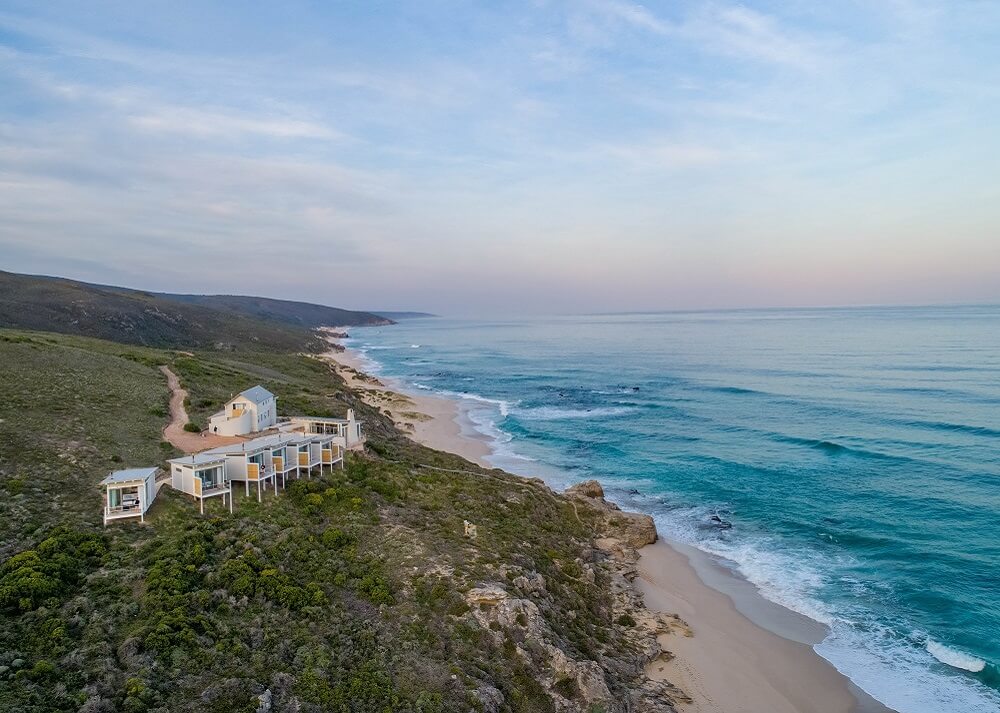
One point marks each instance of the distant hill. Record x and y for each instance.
(56, 304)
(395, 316)
(300, 314)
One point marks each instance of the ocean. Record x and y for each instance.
(845, 461)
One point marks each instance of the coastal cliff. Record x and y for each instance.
(412, 580)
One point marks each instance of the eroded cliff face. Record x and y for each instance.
(513, 609)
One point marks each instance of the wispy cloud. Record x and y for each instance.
(740, 31)
(727, 29)
(220, 124)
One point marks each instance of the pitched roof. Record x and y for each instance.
(258, 394)
(122, 476)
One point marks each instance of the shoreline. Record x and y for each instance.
(746, 654)
(430, 420)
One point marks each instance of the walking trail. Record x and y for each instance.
(174, 431)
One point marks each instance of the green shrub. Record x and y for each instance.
(30, 578)
(192, 427)
(625, 620)
(336, 538)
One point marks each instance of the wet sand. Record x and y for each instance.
(732, 664)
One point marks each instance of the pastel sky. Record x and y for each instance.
(484, 158)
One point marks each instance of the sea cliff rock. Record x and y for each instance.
(632, 529)
(571, 684)
(586, 489)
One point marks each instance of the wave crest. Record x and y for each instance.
(954, 658)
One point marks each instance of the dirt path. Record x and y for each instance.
(174, 431)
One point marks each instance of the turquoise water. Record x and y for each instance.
(846, 461)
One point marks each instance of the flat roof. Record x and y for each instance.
(233, 449)
(319, 419)
(129, 474)
(203, 458)
(275, 440)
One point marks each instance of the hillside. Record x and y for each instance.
(354, 591)
(301, 314)
(396, 316)
(133, 317)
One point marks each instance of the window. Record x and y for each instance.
(209, 477)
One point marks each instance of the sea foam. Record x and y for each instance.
(954, 658)
(552, 413)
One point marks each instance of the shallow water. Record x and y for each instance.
(850, 458)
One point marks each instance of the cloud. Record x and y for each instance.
(723, 29)
(632, 14)
(219, 124)
(740, 31)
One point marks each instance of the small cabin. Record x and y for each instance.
(330, 452)
(284, 454)
(250, 411)
(250, 462)
(129, 493)
(202, 475)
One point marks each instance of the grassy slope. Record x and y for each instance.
(345, 593)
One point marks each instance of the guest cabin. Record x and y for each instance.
(250, 411)
(284, 455)
(249, 462)
(330, 453)
(309, 453)
(129, 493)
(202, 475)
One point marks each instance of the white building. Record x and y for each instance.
(346, 432)
(250, 462)
(284, 454)
(202, 475)
(129, 493)
(249, 411)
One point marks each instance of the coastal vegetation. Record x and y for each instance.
(355, 591)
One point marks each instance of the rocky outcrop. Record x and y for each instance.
(572, 684)
(623, 534)
(586, 489)
(632, 529)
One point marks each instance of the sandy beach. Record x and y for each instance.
(746, 654)
(432, 421)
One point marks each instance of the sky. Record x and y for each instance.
(507, 157)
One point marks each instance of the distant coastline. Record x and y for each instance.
(746, 653)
